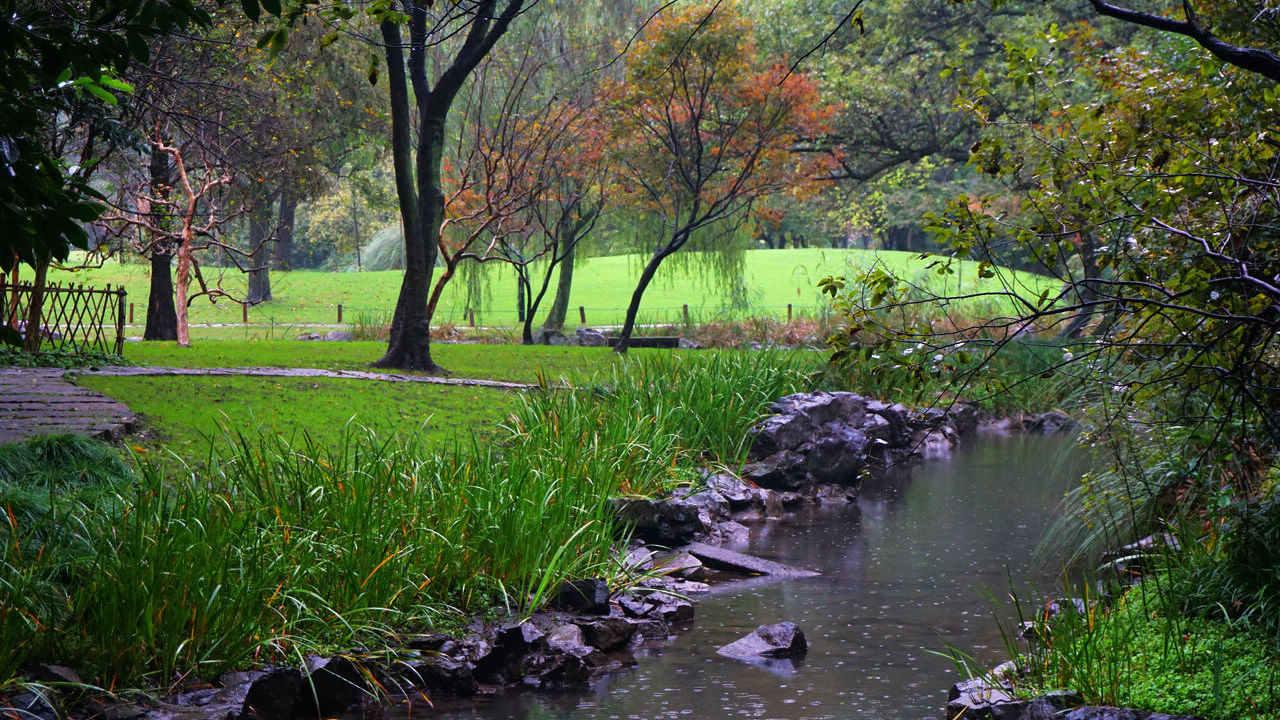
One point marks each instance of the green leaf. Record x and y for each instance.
(251, 10)
(99, 93)
(272, 6)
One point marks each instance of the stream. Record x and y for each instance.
(906, 571)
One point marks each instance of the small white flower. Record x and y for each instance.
(1067, 356)
(937, 358)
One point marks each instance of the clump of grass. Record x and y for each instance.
(372, 325)
(273, 548)
(1140, 654)
(660, 413)
(13, 357)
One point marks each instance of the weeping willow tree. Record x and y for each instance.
(385, 250)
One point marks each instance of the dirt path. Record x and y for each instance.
(39, 401)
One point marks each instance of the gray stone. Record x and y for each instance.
(590, 595)
(30, 705)
(586, 337)
(309, 336)
(1052, 422)
(783, 640)
(1051, 705)
(664, 522)
(277, 695)
(607, 633)
(720, 558)
(436, 674)
(673, 610)
(549, 336)
(338, 336)
(978, 699)
(679, 563)
(336, 684)
(740, 494)
(685, 343)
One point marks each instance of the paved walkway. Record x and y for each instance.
(41, 400)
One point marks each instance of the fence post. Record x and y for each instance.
(244, 313)
(122, 296)
(339, 313)
(582, 315)
(130, 313)
(686, 313)
(788, 312)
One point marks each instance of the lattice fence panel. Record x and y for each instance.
(74, 319)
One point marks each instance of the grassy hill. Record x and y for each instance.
(603, 286)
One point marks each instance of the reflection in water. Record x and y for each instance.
(905, 572)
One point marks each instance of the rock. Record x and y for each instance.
(277, 695)
(56, 674)
(590, 595)
(783, 470)
(566, 635)
(336, 684)
(835, 456)
(685, 343)
(586, 337)
(1050, 705)
(1052, 422)
(310, 336)
(673, 610)
(607, 633)
(434, 642)
(636, 607)
(1057, 606)
(720, 558)
(338, 336)
(556, 671)
(650, 629)
(976, 699)
(729, 532)
(783, 640)
(740, 494)
(30, 705)
(435, 674)
(549, 336)
(894, 430)
(679, 563)
(664, 522)
(833, 494)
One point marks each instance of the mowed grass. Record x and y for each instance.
(184, 414)
(513, 363)
(602, 285)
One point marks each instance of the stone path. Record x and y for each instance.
(304, 373)
(40, 401)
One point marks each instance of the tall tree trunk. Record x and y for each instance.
(650, 269)
(283, 256)
(1086, 290)
(355, 224)
(560, 303)
(35, 308)
(421, 203)
(162, 317)
(259, 259)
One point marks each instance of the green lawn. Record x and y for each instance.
(514, 363)
(182, 413)
(603, 285)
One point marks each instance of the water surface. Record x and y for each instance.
(906, 571)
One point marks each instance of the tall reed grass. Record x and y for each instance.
(277, 547)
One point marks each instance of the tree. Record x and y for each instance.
(418, 172)
(702, 131)
(1149, 194)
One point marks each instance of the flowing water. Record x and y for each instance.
(905, 573)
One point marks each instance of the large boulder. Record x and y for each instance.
(669, 522)
(590, 595)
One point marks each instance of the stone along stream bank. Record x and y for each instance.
(903, 573)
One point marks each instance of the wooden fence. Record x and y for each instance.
(74, 319)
